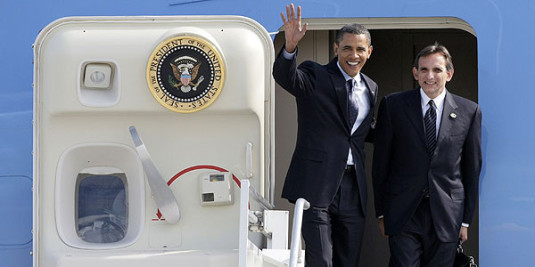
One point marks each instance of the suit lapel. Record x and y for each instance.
(371, 91)
(447, 121)
(414, 113)
(339, 85)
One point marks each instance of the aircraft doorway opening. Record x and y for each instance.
(395, 43)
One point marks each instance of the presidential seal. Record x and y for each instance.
(185, 73)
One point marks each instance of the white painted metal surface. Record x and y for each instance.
(296, 257)
(83, 150)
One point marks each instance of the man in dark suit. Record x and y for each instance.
(335, 104)
(426, 165)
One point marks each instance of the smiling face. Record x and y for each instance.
(432, 74)
(353, 51)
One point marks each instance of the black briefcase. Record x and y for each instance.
(463, 260)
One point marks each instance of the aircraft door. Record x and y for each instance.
(144, 129)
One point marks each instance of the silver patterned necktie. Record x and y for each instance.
(352, 107)
(430, 121)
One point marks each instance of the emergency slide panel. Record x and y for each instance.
(197, 90)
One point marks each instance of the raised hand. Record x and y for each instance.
(293, 30)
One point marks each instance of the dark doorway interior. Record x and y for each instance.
(391, 67)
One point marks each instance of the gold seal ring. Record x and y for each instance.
(185, 73)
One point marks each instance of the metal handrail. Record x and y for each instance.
(300, 205)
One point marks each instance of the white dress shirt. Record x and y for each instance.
(439, 103)
(360, 95)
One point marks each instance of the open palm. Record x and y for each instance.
(293, 30)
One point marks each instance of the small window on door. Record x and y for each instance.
(101, 207)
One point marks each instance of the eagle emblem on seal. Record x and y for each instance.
(185, 71)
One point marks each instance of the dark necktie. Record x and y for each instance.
(352, 108)
(430, 121)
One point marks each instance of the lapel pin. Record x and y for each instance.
(453, 115)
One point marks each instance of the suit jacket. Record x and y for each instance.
(324, 134)
(402, 167)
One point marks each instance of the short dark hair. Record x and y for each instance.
(434, 49)
(353, 28)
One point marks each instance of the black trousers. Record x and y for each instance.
(418, 244)
(333, 235)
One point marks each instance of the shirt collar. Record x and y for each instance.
(439, 100)
(357, 78)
